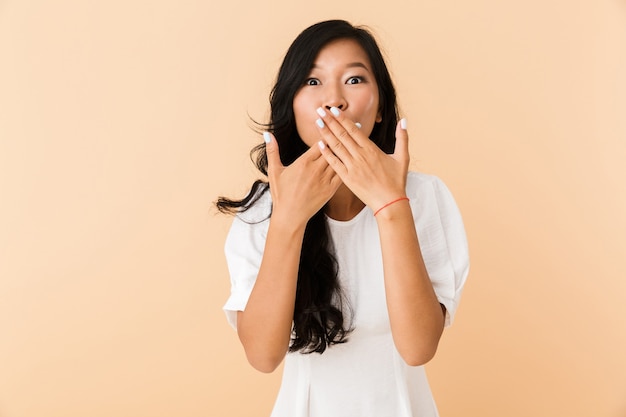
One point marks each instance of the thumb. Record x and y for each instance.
(271, 149)
(402, 142)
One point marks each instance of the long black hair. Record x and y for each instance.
(319, 306)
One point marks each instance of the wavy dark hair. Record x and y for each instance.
(318, 320)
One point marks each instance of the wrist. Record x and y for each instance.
(390, 203)
(287, 222)
(391, 212)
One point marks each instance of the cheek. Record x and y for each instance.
(367, 108)
(305, 120)
(366, 104)
(373, 106)
(298, 109)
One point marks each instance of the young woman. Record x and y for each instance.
(344, 264)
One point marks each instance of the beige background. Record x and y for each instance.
(121, 121)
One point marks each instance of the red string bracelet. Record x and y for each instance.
(390, 203)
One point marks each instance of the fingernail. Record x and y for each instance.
(403, 124)
(320, 122)
(335, 111)
(321, 111)
(358, 125)
(266, 137)
(321, 144)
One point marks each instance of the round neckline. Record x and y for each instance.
(353, 220)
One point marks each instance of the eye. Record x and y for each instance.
(312, 81)
(354, 80)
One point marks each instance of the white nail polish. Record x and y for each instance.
(335, 111)
(403, 124)
(266, 137)
(358, 125)
(320, 122)
(321, 144)
(321, 111)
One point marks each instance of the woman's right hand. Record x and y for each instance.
(301, 189)
(298, 192)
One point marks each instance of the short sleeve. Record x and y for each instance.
(442, 238)
(244, 248)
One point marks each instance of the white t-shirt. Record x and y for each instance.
(366, 376)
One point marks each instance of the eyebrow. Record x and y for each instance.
(350, 65)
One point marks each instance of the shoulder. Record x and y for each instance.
(248, 231)
(418, 184)
(260, 210)
(428, 193)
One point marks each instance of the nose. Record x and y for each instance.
(340, 107)
(335, 98)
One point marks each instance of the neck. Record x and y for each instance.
(344, 205)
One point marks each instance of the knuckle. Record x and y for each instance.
(353, 130)
(369, 151)
(343, 134)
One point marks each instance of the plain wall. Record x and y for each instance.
(122, 121)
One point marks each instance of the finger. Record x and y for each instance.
(333, 161)
(273, 155)
(336, 136)
(401, 152)
(313, 153)
(332, 179)
(335, 182)
(353, 129)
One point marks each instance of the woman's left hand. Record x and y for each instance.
(372, 175)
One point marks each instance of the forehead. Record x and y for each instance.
(342, 53)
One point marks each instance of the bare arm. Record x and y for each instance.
(298, 192)
(264, 328)
(415, 315)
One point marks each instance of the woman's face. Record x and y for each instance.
(341, 77)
